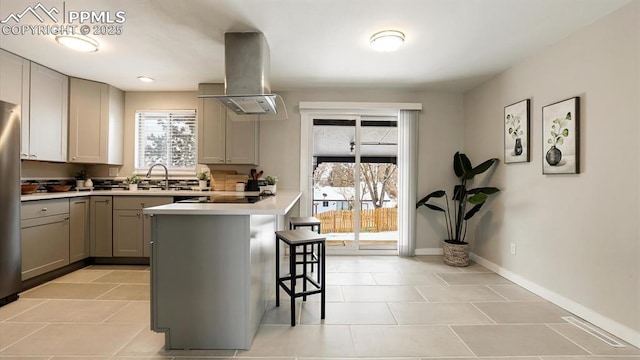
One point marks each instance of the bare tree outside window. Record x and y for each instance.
(377, 180)
(168, 137)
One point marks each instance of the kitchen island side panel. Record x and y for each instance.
(201, 281)
(263, 249)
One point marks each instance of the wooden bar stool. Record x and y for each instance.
(313, 224)
(297, 238)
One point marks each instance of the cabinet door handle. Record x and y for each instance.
(74, 158)
(24, 155)
(138, 214)
(142, 204)
(33, 155)
(104, 201)
(221, 160)
(44, 209)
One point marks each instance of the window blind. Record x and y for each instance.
(166, 136)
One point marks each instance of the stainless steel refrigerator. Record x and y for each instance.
(10, 245)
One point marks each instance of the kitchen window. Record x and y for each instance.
(167, 137)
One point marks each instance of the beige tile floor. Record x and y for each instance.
(377, 308)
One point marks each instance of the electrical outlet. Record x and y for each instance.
(513, 248)
(113, 171)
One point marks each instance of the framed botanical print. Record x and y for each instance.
(516, 132)
(561, 137)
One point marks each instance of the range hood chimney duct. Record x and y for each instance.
(247, 67)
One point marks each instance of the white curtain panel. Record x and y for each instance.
(407, 180)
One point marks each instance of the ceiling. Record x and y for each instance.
(451, 45)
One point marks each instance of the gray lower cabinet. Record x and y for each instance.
(131, 228)
(101, 220)
(127, 233)
(79, 228)
(45, 236)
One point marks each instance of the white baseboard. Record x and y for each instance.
(615, 328)
(429, 251)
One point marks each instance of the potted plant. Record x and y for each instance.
(271, 184)
(456, 250)
(202, 177)
(81, 177)
(133, 182)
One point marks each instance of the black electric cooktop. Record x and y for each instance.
(225, 199)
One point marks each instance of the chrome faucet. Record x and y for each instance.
(166, 174)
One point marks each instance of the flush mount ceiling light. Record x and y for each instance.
(145, 79)
(387, 40)
(78, 42)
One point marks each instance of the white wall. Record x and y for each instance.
(440, 137)
(577, 236)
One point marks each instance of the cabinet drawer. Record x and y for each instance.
(41, 208)
(139, 202)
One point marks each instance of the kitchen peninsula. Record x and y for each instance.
(213, 270)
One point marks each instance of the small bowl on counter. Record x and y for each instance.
(58, 188)
(29, 188)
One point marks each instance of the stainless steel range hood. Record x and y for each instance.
(247, 88)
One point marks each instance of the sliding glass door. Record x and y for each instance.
(354, 182)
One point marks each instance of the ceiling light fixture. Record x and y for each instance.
(387, 40)
(145, 79)
(78, 42)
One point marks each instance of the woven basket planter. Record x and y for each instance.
(456, 254)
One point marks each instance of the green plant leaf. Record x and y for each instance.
(478, 198)
(565, 132)
(510, 130)
(480, 169)
(549, 141)
(559, 141)
(459, 192)
(434, 194)
(485, 190)
(473, 211)
(434, 207)
(461, 164)
(568, 117)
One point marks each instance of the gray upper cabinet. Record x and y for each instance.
(96, 116)
(14, 88)
(48, 115)
(223, 137)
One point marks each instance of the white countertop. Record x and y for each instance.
(71, 194)
(272, 205)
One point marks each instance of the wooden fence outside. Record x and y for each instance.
(373, 220)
